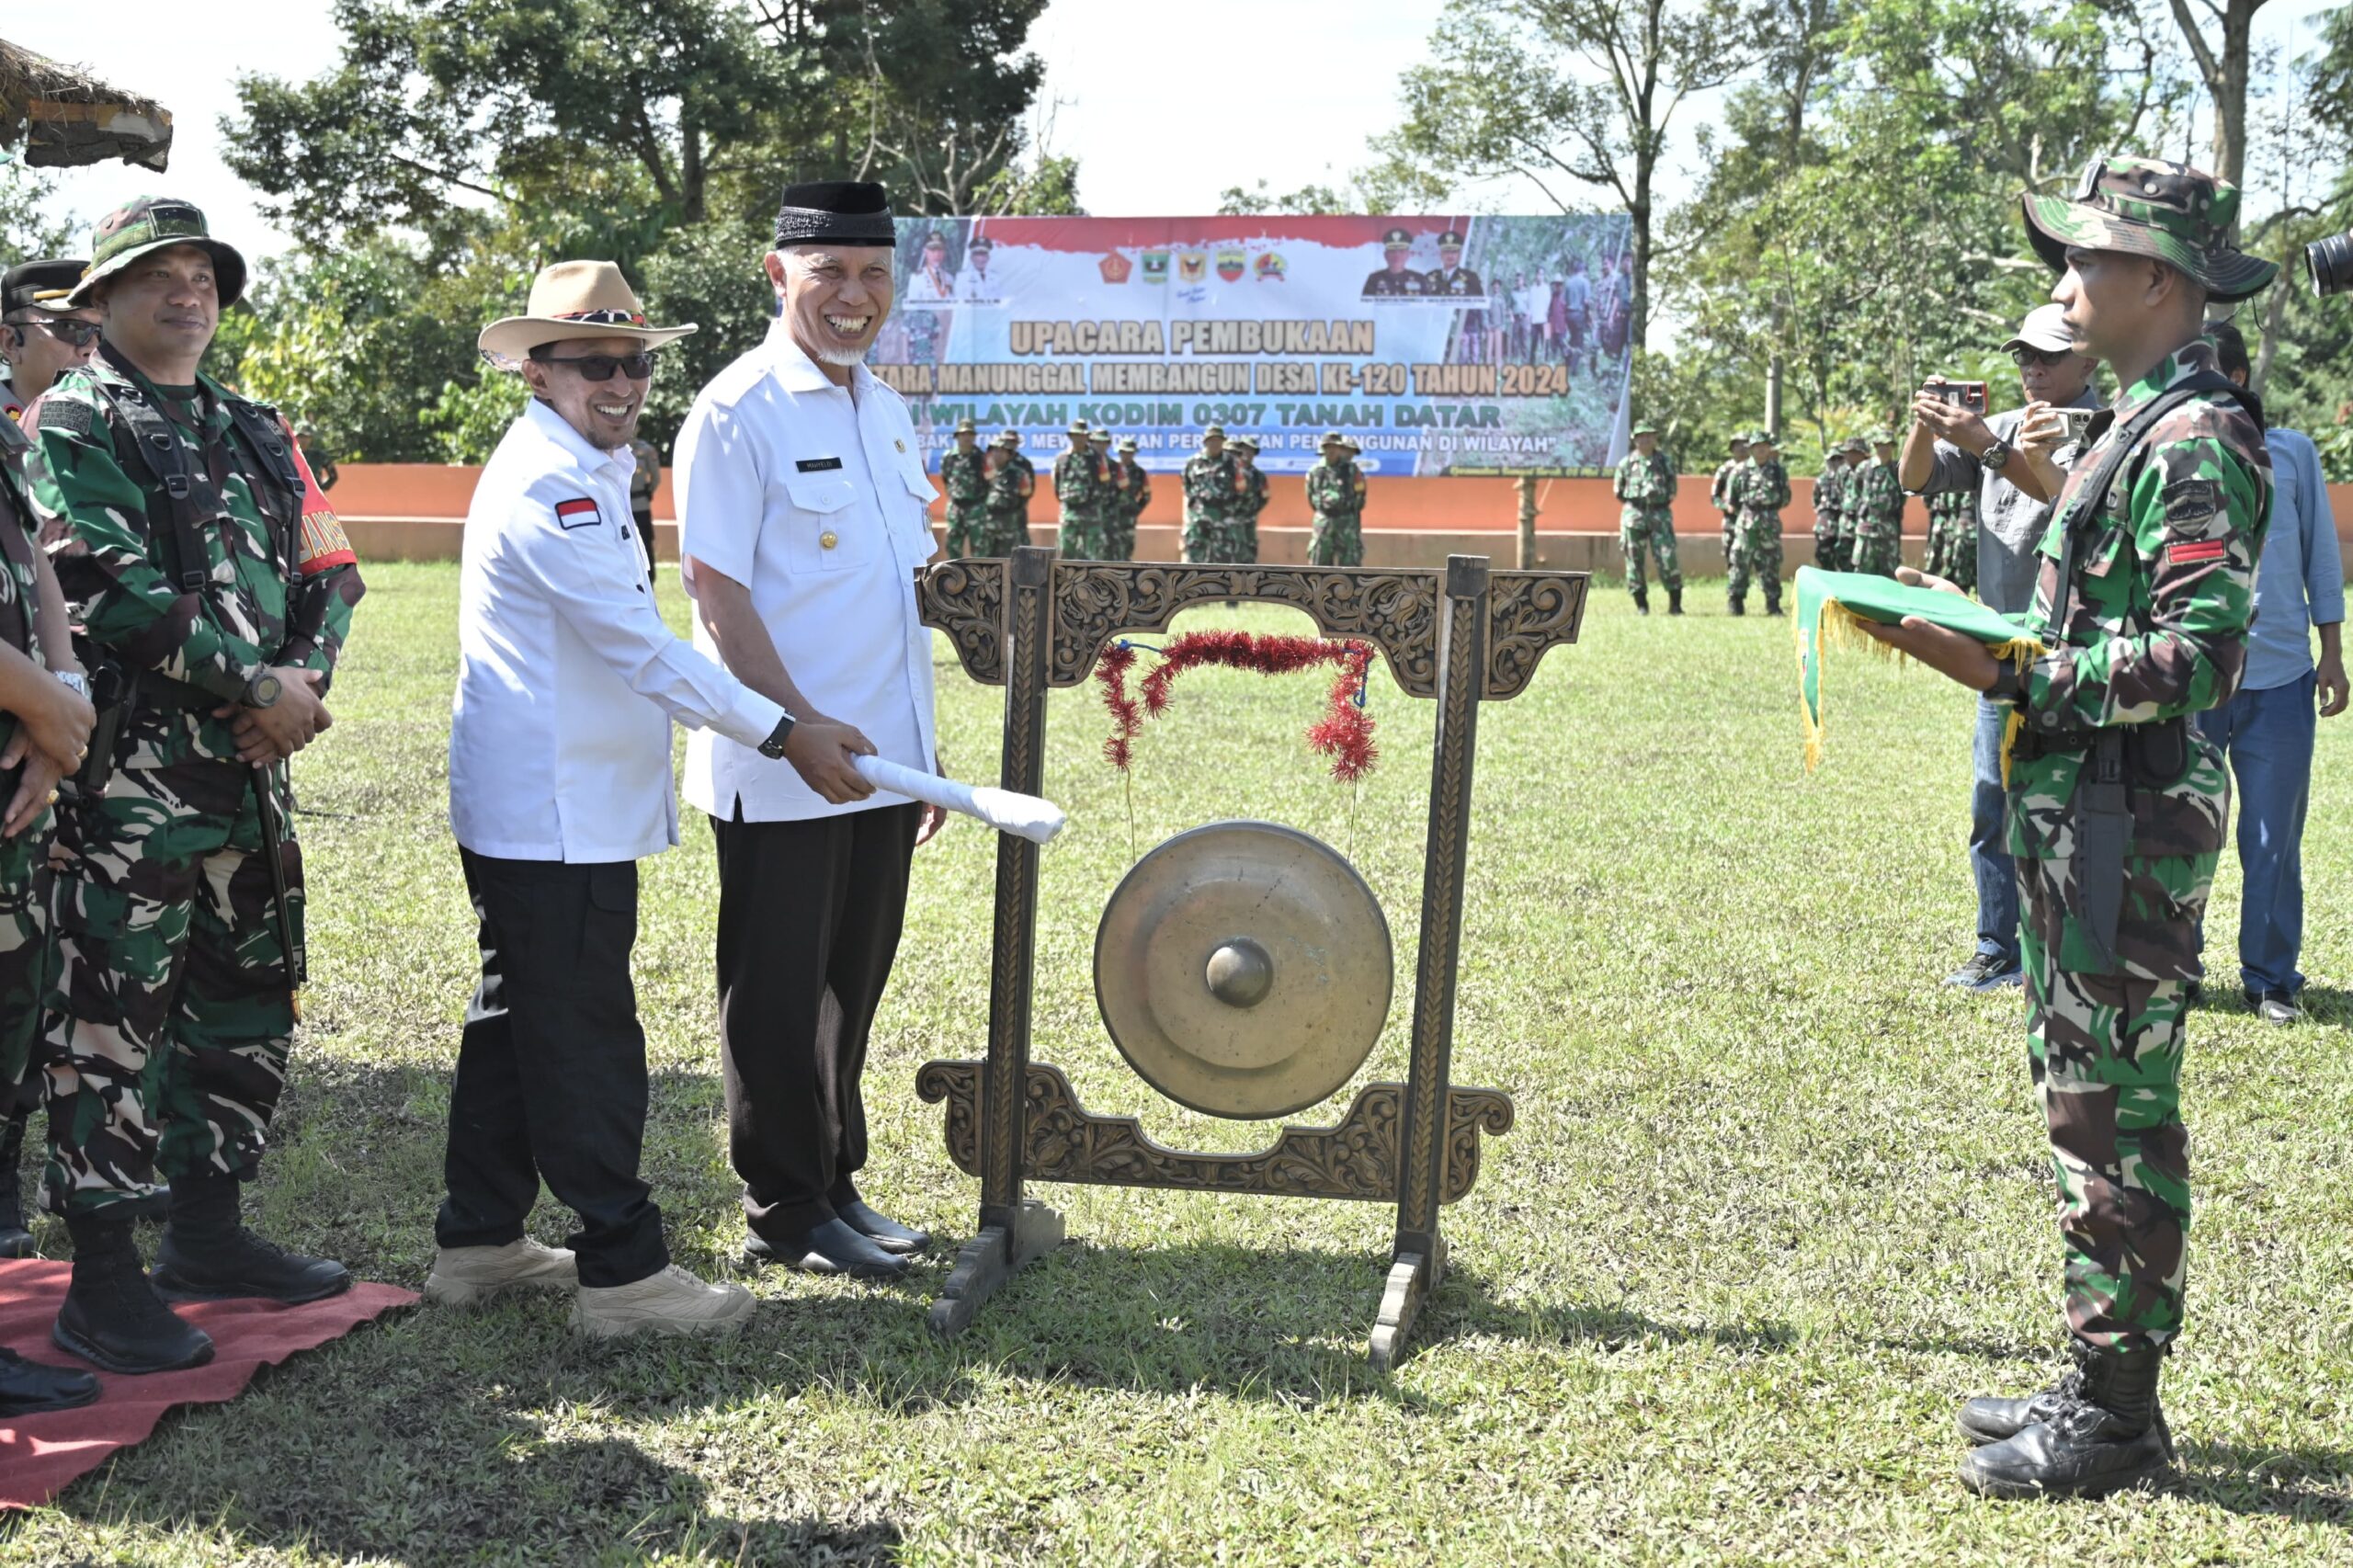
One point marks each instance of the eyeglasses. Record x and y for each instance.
(2022, 356)
(600, 366)
(73, 333)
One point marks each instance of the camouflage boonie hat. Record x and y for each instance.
(1855, 446)
(1210, 430)
(1882, 438)
(1102, 436)
(1010, 439)
(2147, 207)
(152, 223)
(1333, 438)
(1739, 439)
(1127, 443)
(966, 427)
(1645, 428)
(1762, 439)
(1245, 442)
(1348, 444)
(1077, 427)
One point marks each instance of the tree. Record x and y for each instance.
(2224, 65)
(1509, 91)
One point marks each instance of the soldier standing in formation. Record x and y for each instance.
(1758, 489)
(1133, 487)
(1074, 493)
(1013, 478)
(1877, 504)
(2117, 803)
(1952, 538)
(1720, 489)
(1645, 491)
(1209, 497)
(1829, 498)
(1858, 452)
(965, 475)
(223, 603)
(1249, 500)
(644, 480)
(1335, 495)
(1108, 493)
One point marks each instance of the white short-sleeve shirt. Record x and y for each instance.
(816, 500)
(568, 677)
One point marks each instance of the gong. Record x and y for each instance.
(1244, 968)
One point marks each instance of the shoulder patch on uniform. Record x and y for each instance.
(72, 415)
(2190, 504)
(577, 513)
(325, 544)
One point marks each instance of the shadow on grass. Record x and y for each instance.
(2311, 1485)
(1464, 1309)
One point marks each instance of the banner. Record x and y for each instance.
(1442, 346)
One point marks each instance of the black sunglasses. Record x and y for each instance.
(600, 366)
(2023, 356)
(73, 333)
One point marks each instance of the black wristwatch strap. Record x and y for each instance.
(773, 747)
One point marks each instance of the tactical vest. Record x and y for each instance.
(180, 502)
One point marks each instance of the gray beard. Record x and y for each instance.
(842, 355)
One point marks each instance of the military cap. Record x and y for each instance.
(154, 223)
(1449, 241)
(980, 241)
(1333, 438)
(836, 212)
(1010, 439)
(1645, 428)
(1246, 441)
(965, 427)
(40, 285)
(1396, 239)
(1102, 436)
(1739, 439)
(1078, 428)
(1127, 443)
(2147, 207)
(1213, 430)
(935, 238)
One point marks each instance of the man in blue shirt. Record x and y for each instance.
(2267, 728)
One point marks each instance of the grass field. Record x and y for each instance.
(1774, 1201)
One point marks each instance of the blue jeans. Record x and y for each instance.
(2267, 735)
(1998, 883)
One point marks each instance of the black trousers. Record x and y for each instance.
(550, 1079)
(809, 920)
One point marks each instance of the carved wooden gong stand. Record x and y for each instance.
(1035, 622)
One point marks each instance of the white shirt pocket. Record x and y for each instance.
(822, 531)
(911, 522)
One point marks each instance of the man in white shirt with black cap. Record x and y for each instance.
(560, 782)
(804, 511)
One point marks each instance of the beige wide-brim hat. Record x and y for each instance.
(573, 300)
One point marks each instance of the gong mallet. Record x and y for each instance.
(1024, 816)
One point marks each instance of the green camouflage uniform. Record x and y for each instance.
(1248, 502)
(1876, 503)
(1829, 500)
(2163, 594)
(1212, 493)
(173, 1011)
(1079, 483)
(1012, 480)
(1132, 492)
(1720, 497)
(1335, 495)
(1758, 490)
(1645, 489)
(965, 476)
(24, 949)
(1952, 538)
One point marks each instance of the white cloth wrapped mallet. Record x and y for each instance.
(1025, 816)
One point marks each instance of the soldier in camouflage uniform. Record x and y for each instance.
(1758, 490)
(1829, 499)
(1718, 489)
(1645, 492)
(1075, 488)
(1952, 538)
(1109, 494)
(1249, 500)
(1876, 502)
(644, 481)
(1859, 452)
(223, 611)
(1013, 478)
(2117, 803)
(1134, 488)
(1335, 495)
(1210, 483)
(963, 473)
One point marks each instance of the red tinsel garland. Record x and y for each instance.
(1344, 733)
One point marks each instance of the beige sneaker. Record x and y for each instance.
(673, 1301)
(467, 1276)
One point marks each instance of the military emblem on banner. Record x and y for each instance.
(1116, 268)
(1192, 267)
(1155, 266)
(1271, 267)
(1231, 264)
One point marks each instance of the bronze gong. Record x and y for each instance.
(1243, 970)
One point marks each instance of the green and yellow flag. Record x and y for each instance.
(1833, 606)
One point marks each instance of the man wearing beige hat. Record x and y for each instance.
(568, 680)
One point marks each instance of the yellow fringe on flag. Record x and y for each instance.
(1843, 628)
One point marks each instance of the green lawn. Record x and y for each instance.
(1774, 1201)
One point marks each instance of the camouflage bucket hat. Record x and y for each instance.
(2145, 207)
(152, 223)
(1645, 428)
(966, 427)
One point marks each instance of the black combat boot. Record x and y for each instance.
(2104, 1433)
(208, 1254)
(112, 1317)
(1737, 605)
(27, 1388)
(1642, 602)
(1675, 601)
(1772, 604)
(1996, 1420)
(15, 1241)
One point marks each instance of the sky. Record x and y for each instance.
(1164, 110)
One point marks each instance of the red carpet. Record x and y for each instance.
(39, 1454)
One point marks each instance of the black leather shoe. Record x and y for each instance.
(27, 1388)
(830, 1248)
(2103, 1435)
(207, 1254)
(112, 1317)
(15, 1240)
(880, 1229)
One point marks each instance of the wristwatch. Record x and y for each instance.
(261, 691)
(773, 747)
(73, 681)
(1997, 456)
